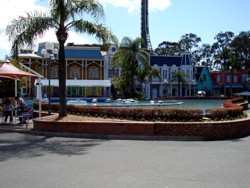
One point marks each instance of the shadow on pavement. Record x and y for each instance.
(15, 145)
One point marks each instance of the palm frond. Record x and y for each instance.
(25, 29)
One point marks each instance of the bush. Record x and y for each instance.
(230, 111)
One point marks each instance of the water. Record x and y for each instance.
(180, 104)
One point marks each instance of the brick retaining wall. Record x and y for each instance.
(207, 130)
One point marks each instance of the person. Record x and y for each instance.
(8, 111)
(22, 106)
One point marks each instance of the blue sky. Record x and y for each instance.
(168, 19)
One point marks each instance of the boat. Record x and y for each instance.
(118, 100)
(160, 102)
(77, 102)
(108, 100)
(94, 100)
(129, 101)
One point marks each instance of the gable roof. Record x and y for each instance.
(197, 72)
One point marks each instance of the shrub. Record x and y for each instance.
(230, 110)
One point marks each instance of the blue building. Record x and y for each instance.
(204, 81)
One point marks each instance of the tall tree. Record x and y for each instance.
(168, 48)
(64, 15)
(189, 42)
(128, 56)
(241, 48)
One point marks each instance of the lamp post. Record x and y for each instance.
(194, 83)
(165, 84)
(49, 53)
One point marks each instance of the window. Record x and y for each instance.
(228, 79)
(165, 74)
(93, 73)
(75, 72)
(218, 78)
(204, 77)
(54, 72)
(235, 79)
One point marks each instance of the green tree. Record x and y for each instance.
(64, 15)
(241, 49)
(146, 74)
(180, 77)
(128, 57)
(168, 48)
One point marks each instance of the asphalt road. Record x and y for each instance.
(28, 161)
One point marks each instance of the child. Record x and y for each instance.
(7, 110)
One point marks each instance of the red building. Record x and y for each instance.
(229, 83)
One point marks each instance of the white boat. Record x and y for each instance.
(108, 100)
(129, 101)
(159, 102)
(94, 101)
(77, 102)
(118, 100)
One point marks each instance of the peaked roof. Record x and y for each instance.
(198, 71)
(184, 59)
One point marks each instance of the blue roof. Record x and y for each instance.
(184, 59)
(167, 60)
(76, 52)
(83, 53)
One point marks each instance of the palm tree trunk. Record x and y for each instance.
(62, 37)
(62, 82)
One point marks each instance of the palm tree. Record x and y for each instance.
(146, 74)
(128, 56)
(180, 77)
(64, 15)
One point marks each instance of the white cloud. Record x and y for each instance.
(11, 9)
(134, 5)
(73, 37)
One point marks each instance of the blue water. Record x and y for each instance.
(180, 104)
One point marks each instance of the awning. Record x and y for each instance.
(80, 83)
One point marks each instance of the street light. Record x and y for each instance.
(49, 53)
(165, 82)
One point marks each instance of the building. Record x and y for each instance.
(166, 86)
(230, 82)
(89, 73)
(204, 81)
(85, 72)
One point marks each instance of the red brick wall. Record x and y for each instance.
(207, 130)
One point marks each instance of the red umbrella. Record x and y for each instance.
(7, 70)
